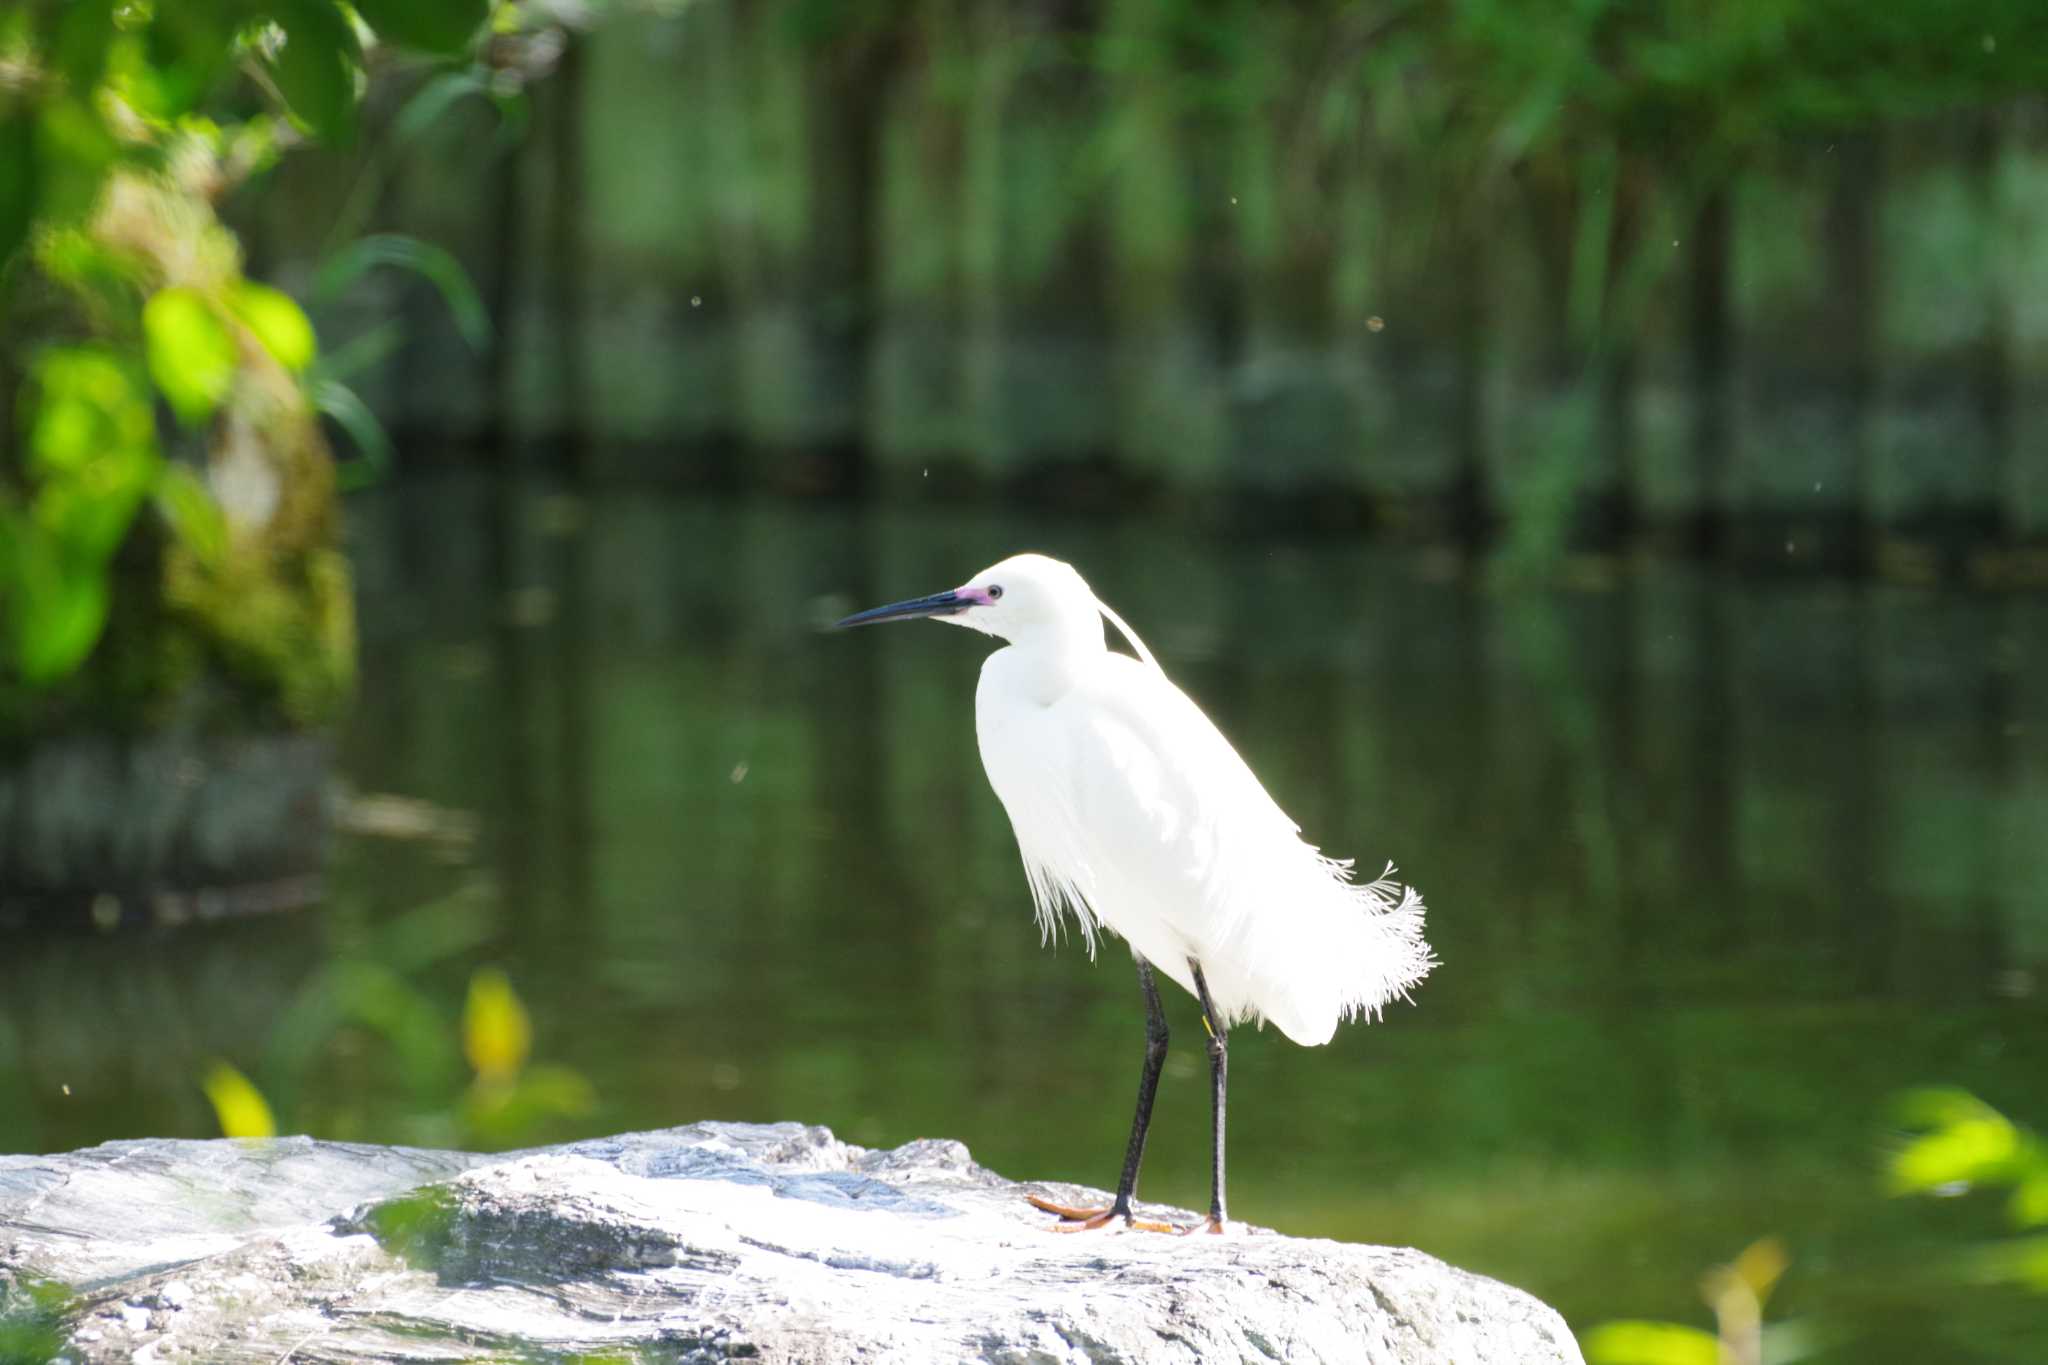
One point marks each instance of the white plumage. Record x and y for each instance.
(1135, 815)
(1132, 811)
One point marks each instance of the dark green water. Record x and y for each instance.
(1714, 868)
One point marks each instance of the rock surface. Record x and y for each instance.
(711, 1242)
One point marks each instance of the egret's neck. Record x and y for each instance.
(1044, 663)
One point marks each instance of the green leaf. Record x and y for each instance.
(87, 401)
(354, 417)
(88, 516)
(381, 1001)
(192, 512)
(278, 322)
(440, 268)
(500, 1111)
(430, 934)
(556, 1090)
(56, 611)
(2023, 1260)
(316, 69)
(2029, 1206)
(1938, 1106)
(443, 26)
(359, 353)
(1649, 1343)
(434, 99)
(1965, 1151)
(191, 355)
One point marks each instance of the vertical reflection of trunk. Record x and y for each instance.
(1634, 711)
(2004, 494)
(1710, 359)
(566, 252)
(1469, 509)
(1992, 775)
(574, 738)
(1710, 766)
(843, 130)
(1866, 906)
(501, 442)
(1851, 328)
(513, 814)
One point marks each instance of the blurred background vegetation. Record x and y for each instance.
(1591, 453)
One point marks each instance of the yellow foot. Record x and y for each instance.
(1086, 1220)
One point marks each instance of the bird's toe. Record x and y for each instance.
(1067, 1212)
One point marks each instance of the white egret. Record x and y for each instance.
(1134, 814)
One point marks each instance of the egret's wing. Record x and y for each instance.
(1180, 846)
(1166, 808)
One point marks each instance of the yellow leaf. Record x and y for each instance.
(278, 322)
(238, 1104)
(496, 1034)
(1760, 1265)
(1650, 1343)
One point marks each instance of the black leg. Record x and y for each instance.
(1148, 1087)
(1219, 1079)
(1076, 1220)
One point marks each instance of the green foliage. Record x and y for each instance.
(372, 991)
(91, 449)
(191, 356)
(129, 293)
(341, 269)
(1737, 1292)
(431, 263)
(55, 610)
(277, 321)
(1959, 1143)
(317, 66)
(1633, 1342)
(445, 28)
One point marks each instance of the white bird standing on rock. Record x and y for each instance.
(1134, 813)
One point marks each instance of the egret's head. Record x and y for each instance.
(1018, 597)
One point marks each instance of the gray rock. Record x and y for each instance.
(711, 1242)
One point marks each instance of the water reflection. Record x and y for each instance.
(1714, 869)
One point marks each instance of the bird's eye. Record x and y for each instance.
(995, 590)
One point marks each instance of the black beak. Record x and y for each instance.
(948, 603)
